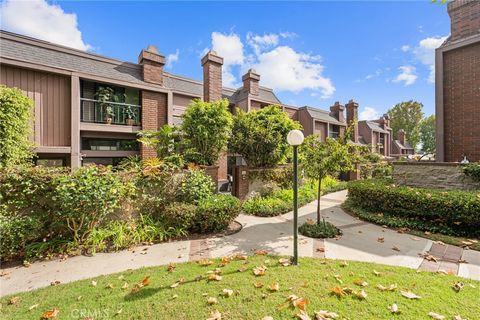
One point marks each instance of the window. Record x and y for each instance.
(333, 131)
(99, 144)
(381, 143)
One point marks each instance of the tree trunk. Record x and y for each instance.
(318, 200)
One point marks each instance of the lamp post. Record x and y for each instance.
(295, 138)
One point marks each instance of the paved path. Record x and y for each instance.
(360, 242)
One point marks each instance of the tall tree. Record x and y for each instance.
(427, 134)
(407, 115)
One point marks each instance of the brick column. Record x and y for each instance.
(154, 115)
(240, 182)
(251, 81)
(337, 111)
(352, 118)
(212, 76)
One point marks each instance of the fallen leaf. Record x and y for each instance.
(146, 281)
(338, 278)
(109, 286)
(395, 248)
(457, 286)
(50, 314)
(381, 240)
(33, 306)
(258, 285)
(462, 261)
(55, 283)
(274, 287)
(436, 316)
(125, 286)
(259, 271)
(394, 309)
(261, 252)
(360, 283)
(174, 285)
(302, 315)
(415, 238)
(205, 262)
(320, 249)
(212, 300)
(267, 318)
(171, 267)
(325, 315)
(242, 269)
(391, 287)
(14, 300)
(360, 295)
(175, 296)
(458, 317)
(94, 283)
(344, 264)
(429, 257)
(378, 274)
(240, 257)
(215, 315)
(284, 262)
(227, 292)
(214, 277)
(339, 292)
(410, 295)
(427, 233)
(120, 277)
(119, 312)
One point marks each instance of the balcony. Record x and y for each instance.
(94, 111)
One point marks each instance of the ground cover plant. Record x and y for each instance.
(454, 213)
(255, 287)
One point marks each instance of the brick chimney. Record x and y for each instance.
(465, 18)
(152, 63)
(251, 81)
(386, 120)
(212, 76)
(352, 118)
(401, 136)
(337, 111)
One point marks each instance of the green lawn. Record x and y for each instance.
(313, 279)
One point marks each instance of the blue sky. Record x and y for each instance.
(312, 53)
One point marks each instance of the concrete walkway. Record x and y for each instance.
(361, 241)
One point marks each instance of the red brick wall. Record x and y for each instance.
(461, 80)
(154, 115)
(152, 72)
(465, 18)
(212, 78)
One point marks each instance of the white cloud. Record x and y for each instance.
(44, 21)
(424, 52)
(230, 48)
(369, 113)
(407, 75)
(260, 43)
(284, 69)
(172, 58)
(405, 48)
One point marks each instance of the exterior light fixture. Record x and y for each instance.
(295, 138)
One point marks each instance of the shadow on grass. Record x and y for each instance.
(147, 292)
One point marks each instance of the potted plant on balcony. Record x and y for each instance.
(129, 115)
(105, 95)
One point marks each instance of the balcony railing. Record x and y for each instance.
(118, 113)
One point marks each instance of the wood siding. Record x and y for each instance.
(321, 129)
(51, 95)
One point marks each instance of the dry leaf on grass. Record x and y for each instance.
(362, 295)
(258, 285)
(394, 309)
(391, 287)
(109, 286)
(214, 277)
(302, 315)
(125, 286)
(242, 269)
(297, 302)
(50, 314)
(212, 300)
(227, 292)
(274, 287)
(175, 296)
(171, 267)
(325, 315)
(215, 315)
(145, 282)
(284, 262)
(360, 283)
(267, 318)
(339, 292)
(457, 286)
(458, 317)
(14, 300)
(94, 283)
(205, 262)
(240, 257)
(261, 252)
(344, 264)
(378, 274)
(259, 271)
(436, 316)
(33, 306)
(410, 295)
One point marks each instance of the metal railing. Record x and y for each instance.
(119, 113)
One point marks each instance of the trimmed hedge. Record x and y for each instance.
(216, 212)
(452, 212)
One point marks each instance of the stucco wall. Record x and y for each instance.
(433, 175)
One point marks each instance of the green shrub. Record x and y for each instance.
(282, 176)
(266, 206)
(207, 128)
(86, 198)
(261, 136)
(472, 170)
(216, 212)
(15, 233)
(195, 186)
(322, 230)
(15, 127)
(451, 212)
(180, 215)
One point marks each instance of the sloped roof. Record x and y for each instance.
(322, 115)
(265, 94)
(375, 127)
(401, 146)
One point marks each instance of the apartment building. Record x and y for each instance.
(72, 126)
(457, 85)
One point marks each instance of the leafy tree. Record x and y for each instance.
(15, 116)
(407, 115)
(261, 136)
(321, 159)
(427, 134)
(207, 128)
